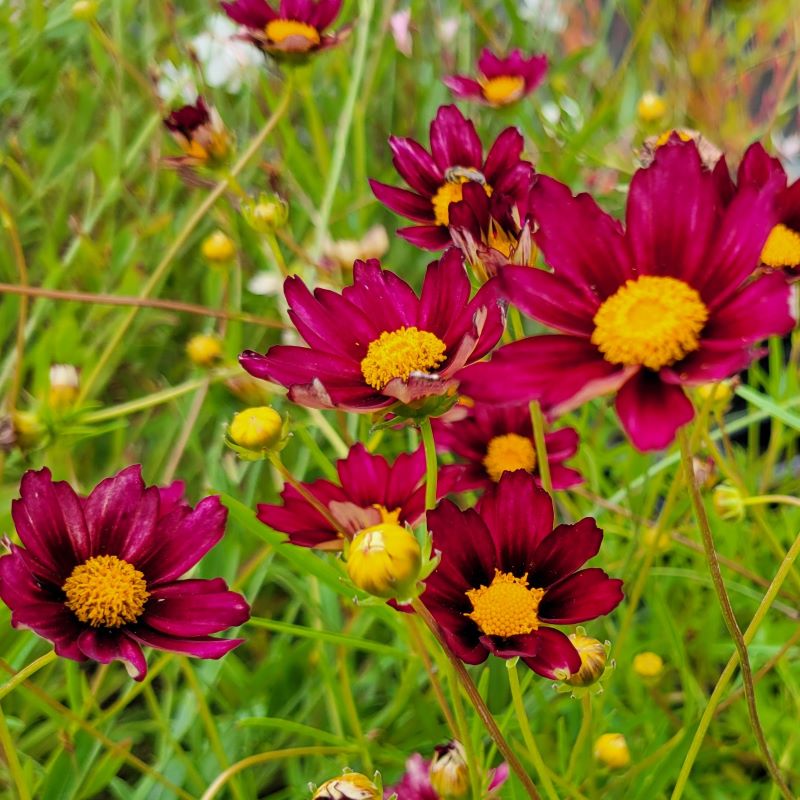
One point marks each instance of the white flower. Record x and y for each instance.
(265, 283)
(545, 14)
(227, 62)
(175, 83)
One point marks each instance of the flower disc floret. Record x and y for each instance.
(397, 354)
(279, 30)
(503, 89)
(508, 607)
(508, 453)
(106, 591)
(782, 248)
(652, 321)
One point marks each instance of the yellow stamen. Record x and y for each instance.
(451, 192)
(396, 354)
(502, 90)
(194, 149)
(782, 248)
(508, 453)
(501, 240)
(279, 30)
(388, 517)
(106, 591)
(684, 136)
(651, 322)
(509, 607)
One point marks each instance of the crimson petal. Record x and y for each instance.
(580, 597)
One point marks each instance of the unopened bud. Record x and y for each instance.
(594, 655)
(350, 786)
(655, 539)
(611, 749)
(266, 213)
(204, 349)
(84, 10)
(385, 561)
(651, 107)
(255, 432)
(648, 666)
(728, 502)
(218, 248)
(64, 383)
(28, 429)
(449, 774)
(717, 394)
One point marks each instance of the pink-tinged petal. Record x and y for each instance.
(519, 516)
(365, 476)
(170, 497)
(580, 597)
(561, 443)
(50, 522)
(673, 211)
(723, 182)
(758, 168)
(711, 362)
(454, 141)
(121, 514)
(347, 397)
(504, 156)
(186, 544)
(463, 86)
(465, 477)
(426, 237)
(789, 206)
(195, 608)
(105, 646)
(516, 182)
(554, 654)
(387, 298)
(564, 551)
(326, 13)
(499, 776)
(445, 288)
(415, 784)
(550, 299)
(534, 69)
(201, 647)
(401, 201)
(651, 411)
(289, 364)
(416, 165)
(491, 65)
(565, 478)
(251, 13)
(300, 10)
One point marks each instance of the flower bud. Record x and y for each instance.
(653, 538)
(84, 10)
(257, 430)
(728, 502)
(611, 750)
(28, 429)
(648, 666)
(594, 655)
(64, 383)
(218, 248)
(449, 774)
(651, 107)
(266, 213)
(718, 394)
(385, 560)
(349, 786)
(204, 349)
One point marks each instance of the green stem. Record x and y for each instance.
(351, 711)
(527, 733)
(12, 760)
(431, 470)
(537, 419)
(465, 737)
(727, 612)
(583, 735)
(26, 672)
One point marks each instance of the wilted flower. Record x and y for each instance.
(449, 772)
(98, 576)
(502, 80)
(218, 247)
(611, 749)
(200, 132)
(226, 60)
(204, 349)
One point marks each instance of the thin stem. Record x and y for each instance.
(351, 711)
(464, 735)
(186, 431)
(26, 672)
(12, 760)
(431, 470)
(478, 703)
(583, 735)
(727, 612)
(527, 733)
(537, 418)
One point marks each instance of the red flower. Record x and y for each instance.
(437, 178)
(495, 440)
(377, 342)
(200, 132)
(98, 576)
(369, 492)
(294, 30)
(505, 577)
(666, 303)
(502, 80)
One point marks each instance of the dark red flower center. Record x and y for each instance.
(507, 607)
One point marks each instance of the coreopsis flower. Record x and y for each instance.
(377, 343)
(349, 786)
(437, 178)
(370, 491)
(782, 248)
(666, 303)
(199, 131)
(295, 30)
(257, 433)
(506, 577)
(99, 576)
(501, 81)
(493, 440)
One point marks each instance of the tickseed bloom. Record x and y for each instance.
(437, 178)
(370, 492)
(498, 439)
(199, 131)
(349, 786)
(385, 560)
(294, 30)
(505, 577)
(204, 349)
(501, 81)
(98, 575)
(667, 303)
(377, 343)
(611, 750)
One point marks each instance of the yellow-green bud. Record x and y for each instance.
(28, 429)
(84, 10)
(653, 538)
(647, 665)
(611, 749)
(449, 774)
(594, 655)
(349, 786)
(728, 502)
(64, 383)
(204, 349)
(385, 560)
(651, 107)
(257, 428)
(718, 394)
(218, 247)
(266, 213)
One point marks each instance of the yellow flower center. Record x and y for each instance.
(502, 90)
(452, 191)
(500, 240)
(397, 354)
(278, 30)
(106, 591)
(651, 322)
(509, 607)
(508, 453)
(782, 248)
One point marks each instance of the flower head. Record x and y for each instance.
(98, 575)
(666, 303)
(204, 349)
(494, 440)
(227, 61)
(64, 384)
(501, 81)
(651, 107)
(293, 31)
(377, 343)
(648, 665)
(611, 750)
(385, 560)
(349, 786)
(256, 432)
(437, 179)
(199, 131)
(218, 247)
(505, 577)
(448, 771)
